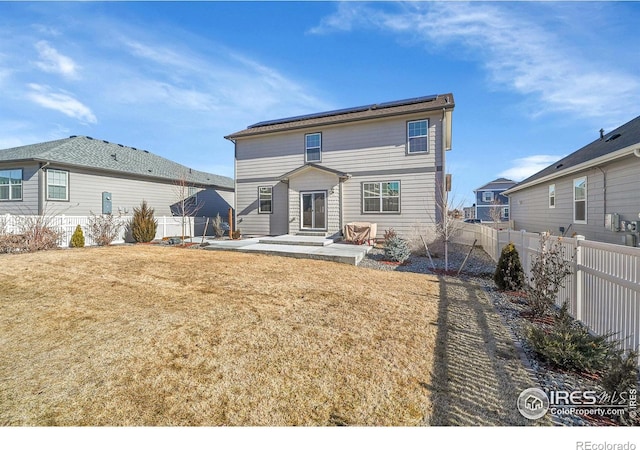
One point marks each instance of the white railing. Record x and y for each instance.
(167, 226)
(604, 290)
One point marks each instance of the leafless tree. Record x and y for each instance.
(187, 204)
(495, 213)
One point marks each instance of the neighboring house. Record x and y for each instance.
(81, 175)
(491, 205)
(593, 192)
(313, 174)
(470, 211)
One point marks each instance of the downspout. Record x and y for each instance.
(443, 187)
(604, 193)
(41, 187)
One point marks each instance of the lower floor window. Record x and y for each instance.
(265, 199)
(381, 196)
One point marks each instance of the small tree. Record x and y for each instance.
(143, 225)
(509, 274)
(77, 239)
(549, 268)
(187, 203)
(495, 213)
(396, 249)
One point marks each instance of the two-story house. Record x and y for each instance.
(381, 163)
(491, 205)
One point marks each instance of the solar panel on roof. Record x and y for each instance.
(409, 101)
(311, 116)
(336, 112)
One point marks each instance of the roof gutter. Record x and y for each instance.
(626, 151)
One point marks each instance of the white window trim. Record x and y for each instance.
(505, 212)
(586, 196)
(380, 197)
(306, 149)
(552, 196)
(66, 198)
(11, 199)
(490, 199)
(409, 152)
(260, 211)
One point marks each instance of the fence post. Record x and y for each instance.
(579, 277)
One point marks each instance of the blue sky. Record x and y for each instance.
(532, 81)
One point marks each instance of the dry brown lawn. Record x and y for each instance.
(150, 335)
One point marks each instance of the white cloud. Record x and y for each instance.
(525, 167)
(215, 79)
(518, 53)
(60, 101)
(52, 61)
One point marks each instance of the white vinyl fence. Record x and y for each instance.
(604, 290)
(167, 226)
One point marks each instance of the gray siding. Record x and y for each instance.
(530, 207)
(29, 203)
(315, 180)
(85, 194)
(370, 151)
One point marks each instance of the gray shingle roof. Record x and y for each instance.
(622, 137)
(408, 106)
(83, 151)
(497, 184)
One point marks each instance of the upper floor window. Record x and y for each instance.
(505, 213)
(265, 200)
(381, 197)
(552, 196)
(11, 184)
(417, 137)
(313, 147)
(487, 196)
(57, 184)
(580, 200)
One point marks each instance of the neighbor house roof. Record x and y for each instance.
(374, 111)
(86, 152)
(618, 143)
(496, 185)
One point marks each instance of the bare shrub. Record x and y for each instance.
(218, 229)
(549, 268)
(104, 228)
(34, 233)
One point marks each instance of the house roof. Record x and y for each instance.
(84, 151)
(307, 166)
(622, 139)
(496, 185)
(374, 111)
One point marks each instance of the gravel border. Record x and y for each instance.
(479, 270)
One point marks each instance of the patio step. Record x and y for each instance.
(288, 239)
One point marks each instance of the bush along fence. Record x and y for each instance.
(603, 290)
(168, 226)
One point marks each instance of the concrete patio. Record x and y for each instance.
(309, 247)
